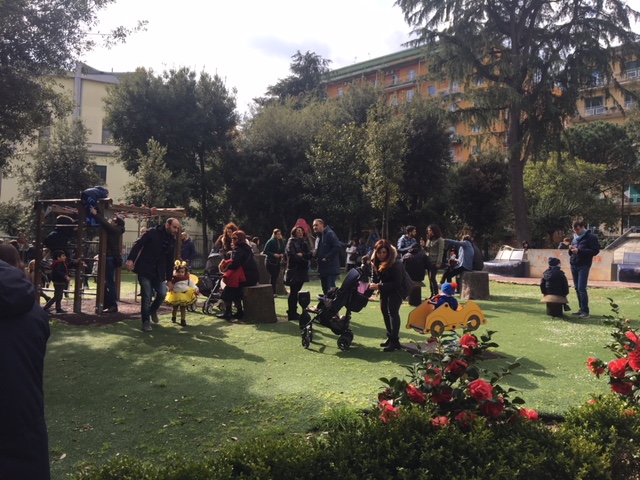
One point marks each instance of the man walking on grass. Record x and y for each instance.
(151, 257)
(583, 248)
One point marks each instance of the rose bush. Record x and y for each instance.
(449, 384)
(624, 371)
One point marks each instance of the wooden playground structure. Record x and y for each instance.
(46, 208)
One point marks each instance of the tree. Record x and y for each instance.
(61, 166)
(536, 56)
(38, 39)
(192, 117)
(305, 83)
(153, 180)
(479, 196)
(338, 171)
(559, 191)
(384, 152)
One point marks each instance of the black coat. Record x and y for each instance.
(554, 282)
(390, 279)
(24, 331)
(297, 266)
(153, 254)
(242, 256)
(416, 263)
(588, 247)
(114, 232)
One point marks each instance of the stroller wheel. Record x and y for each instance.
(344, 342)
(307, 335)
(192, 307)
(207, 308)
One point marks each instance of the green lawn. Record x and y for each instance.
(114, 390)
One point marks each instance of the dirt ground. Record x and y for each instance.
(127, 310)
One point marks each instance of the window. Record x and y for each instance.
(432, 90)
(455, 87)
(410, 95)
(394, 79)
(375, 82)
(340, 92)
(629, 101)
(452, 129)
(632, 70)
(598, 79)
(101, 170)
(106, 136)
(412, 75)
(477, 129)
(479, 82)
(594, 106)
(452, 154)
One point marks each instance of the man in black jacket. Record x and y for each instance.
(114, 229)
(24, 331)
(151, 257)
(583, 248)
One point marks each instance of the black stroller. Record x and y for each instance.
(327, 313)
(210, 284)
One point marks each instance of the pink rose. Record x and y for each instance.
(480, 390)
(415, 395)
(440, 421)
(617, 368)
(389, 412)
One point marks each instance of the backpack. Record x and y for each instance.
(478, 263)
(407, 284)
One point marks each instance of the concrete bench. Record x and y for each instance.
(629, 269)
(475, 286)
(259, 306)
(509, 262)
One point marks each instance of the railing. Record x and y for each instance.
(595, 111)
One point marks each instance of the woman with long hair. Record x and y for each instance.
(297, 273)
(388, 274)
(223, 244)
(435, 250)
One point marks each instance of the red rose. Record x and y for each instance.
(492, 408)
(468, 342)
(622, 388)
(457, 367)
(465, 418)
(595, 366)
(388, 411)
(442, 395)
(634, 359)
(415, 395)
(386, 395)
(480, 390)
(531, 415)
(617, 368)
(632, 336)
(434, 379)
(440, 421)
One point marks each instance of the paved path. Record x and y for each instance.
(536, 281)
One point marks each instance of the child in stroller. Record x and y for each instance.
(210, 285)
(327, 313)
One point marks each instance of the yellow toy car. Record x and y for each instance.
(426, 319)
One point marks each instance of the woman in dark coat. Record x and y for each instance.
(241, 256)
(388, 274)
(298, 256)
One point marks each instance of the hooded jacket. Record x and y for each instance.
(554, 282)
(24, 331)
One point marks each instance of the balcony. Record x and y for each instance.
(591, 111)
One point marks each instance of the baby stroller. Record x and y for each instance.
(210, 285)
(327, 313)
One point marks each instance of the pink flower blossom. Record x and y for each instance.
(531, 415)
(440, 421)
(442, 395)
(389, 412)
(632, 336)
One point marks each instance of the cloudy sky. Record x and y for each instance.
(249, 43)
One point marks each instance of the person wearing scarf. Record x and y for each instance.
(583, 248)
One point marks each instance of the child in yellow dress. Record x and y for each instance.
(183, 293)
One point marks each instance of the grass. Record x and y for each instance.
(115, 390)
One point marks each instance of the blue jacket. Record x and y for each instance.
(465, 253)
(328, 249)
(588, 247)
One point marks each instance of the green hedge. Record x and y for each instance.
(597, 441)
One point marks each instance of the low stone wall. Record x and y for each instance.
(602, 268)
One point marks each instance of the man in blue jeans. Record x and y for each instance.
(583, 248)
(327, 251)
(114, 229)
(152, 257)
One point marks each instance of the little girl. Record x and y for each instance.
(183, 293)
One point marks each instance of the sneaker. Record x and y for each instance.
(61, 312)
(154, 317)
(146, 327)
(585, 315)
(578, 313)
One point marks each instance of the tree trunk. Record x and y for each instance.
(203, 207)
(516, 176)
